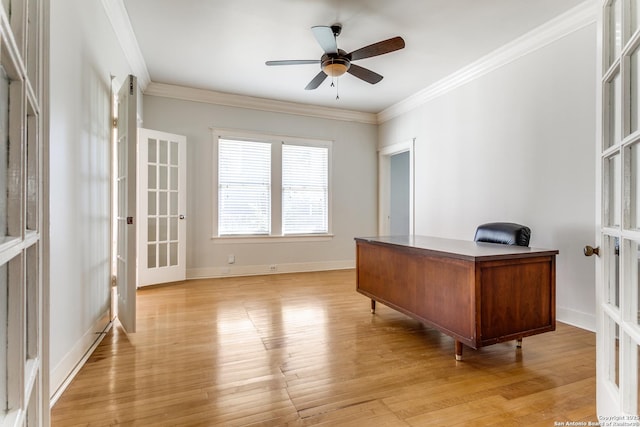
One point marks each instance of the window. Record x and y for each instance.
(304, 189)
(244, 187)
(270, 186)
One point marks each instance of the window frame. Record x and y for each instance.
(276, 141)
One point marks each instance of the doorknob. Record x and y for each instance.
(589, 250)
(181, 217)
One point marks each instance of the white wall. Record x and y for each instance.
(353, 173)
(84, 53)
(515, 144)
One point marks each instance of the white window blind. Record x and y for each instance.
(305, 189)
(244, 187)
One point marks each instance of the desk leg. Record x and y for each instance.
(373, 306)
(458, 350)
(519, 343)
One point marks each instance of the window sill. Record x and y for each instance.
(272, 239)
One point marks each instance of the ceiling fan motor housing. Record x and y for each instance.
(335, 64)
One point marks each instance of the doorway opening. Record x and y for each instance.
(396, 189)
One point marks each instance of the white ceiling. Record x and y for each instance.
(222, 45)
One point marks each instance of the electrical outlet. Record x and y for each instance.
(231, 259)
(273, 267)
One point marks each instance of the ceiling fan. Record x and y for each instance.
(335, 62)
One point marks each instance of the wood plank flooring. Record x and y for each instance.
(304, 349)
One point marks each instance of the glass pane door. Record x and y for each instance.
(23, 399)
(162, 201)
(619, 209)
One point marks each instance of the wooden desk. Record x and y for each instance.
(477, 293)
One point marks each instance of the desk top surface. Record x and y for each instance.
(462, 249)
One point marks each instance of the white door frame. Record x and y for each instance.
(384, 184)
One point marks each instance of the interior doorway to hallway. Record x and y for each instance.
(396, 189)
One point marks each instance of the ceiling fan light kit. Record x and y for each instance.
(335, 66)
(336, 62)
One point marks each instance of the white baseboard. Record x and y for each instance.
(64, 372)
(576, 318)
(233, 270)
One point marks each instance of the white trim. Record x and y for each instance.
(231, 100)
(119, 18)
(580, 16)
(289, 238)
(276, 142)
(576, 318)
(45, 273)
(72, 362)
(384, 190)
(389, 150)
(228, 133)
(258, 270)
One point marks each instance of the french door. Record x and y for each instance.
(162, 205)
(24, 394)
(618, 209)
(126, 203)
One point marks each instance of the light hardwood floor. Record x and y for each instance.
(304, 349)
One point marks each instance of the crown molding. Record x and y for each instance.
(242, 101)
(119, 18)
(576, 18)
(580, 16)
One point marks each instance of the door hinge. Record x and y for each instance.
(131, 85)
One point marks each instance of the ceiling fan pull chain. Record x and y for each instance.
(337, 95)
(333, 78)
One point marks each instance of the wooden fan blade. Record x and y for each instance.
(379, 48)
(293, 62)
(317, 80)
(364, 74)
(326, 39)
